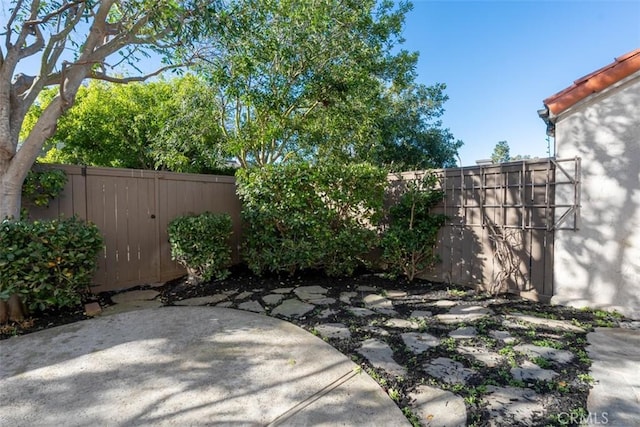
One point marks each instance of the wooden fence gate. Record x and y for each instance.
(132, 208)
(501, 221)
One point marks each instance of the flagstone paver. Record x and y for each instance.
(225, 304)
(508, 405)
(310, 292)
(281, 290)
(396, 294)
(436, 407)
(379, 304)
(381, 356)
(333, 330)
(327, 312)
(504, 336)
(375, 330)
(445, 303)
(465, 332)
(292, 308)
(530, 371)
(401, 324)
(483, 355)
(346, 297)
(464, 313)
(361, 312)
(133, 300)
(254, 306)
(549, 353)
(448, 370)
(517, 320)
(272, 299)
(314, 294)
(421, 314)
(243, 295)
(419, 342)
(131, 306)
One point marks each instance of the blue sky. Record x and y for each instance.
(500, 59)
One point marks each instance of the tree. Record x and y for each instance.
(411, 134)
(94, 31)
(300, 79)
(501, 154)
(161, 124)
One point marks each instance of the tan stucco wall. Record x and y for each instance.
(599, 265)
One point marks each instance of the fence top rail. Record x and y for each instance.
(498, 168)
(139, 173)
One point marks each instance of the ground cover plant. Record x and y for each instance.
(564, 394)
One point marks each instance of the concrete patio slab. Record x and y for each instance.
(615, 367)
(184, 366)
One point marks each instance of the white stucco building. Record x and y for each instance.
(598, 119)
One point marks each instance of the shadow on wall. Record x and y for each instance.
(599, 265)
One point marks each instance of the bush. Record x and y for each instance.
(43, 185)
(301, 216)
(409, 243)
(200, 243)
(48, 264)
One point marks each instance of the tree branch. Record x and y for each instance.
(57, 42)
(56, 13)
(12, 18)
(103, 76)
(33, 48)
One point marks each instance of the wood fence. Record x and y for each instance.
(132, 209)
(499, 234)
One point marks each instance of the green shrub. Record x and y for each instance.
(42, 185)
(300, 216)
(200, 243)
(409, 243)
(47, 263)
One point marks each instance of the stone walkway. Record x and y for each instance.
(462, 361)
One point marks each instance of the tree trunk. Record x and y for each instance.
(12, 310)
(10, 196)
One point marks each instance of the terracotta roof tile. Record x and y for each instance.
(597, 81)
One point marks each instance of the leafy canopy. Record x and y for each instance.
(158, 125)
(322, 79)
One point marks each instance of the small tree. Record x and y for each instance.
(409, 242)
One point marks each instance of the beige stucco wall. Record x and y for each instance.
(599, 265)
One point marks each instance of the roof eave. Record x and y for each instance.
(595, 82)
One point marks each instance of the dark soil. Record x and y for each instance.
(569, 389)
